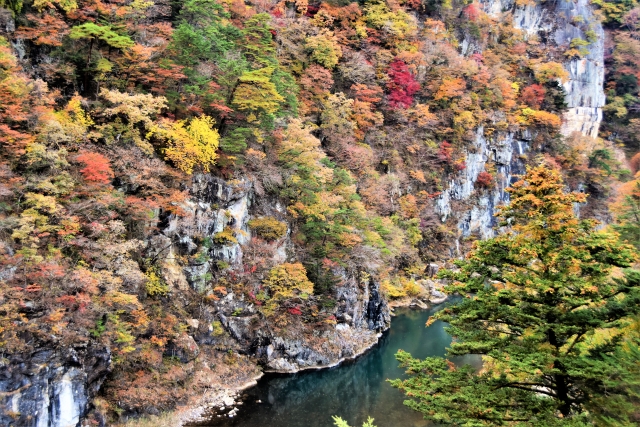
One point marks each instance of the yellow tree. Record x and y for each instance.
(286, 281)
(256, 93)
(325, 49)
(191, 146)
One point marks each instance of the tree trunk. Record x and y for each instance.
(90, 50)
(562, 388)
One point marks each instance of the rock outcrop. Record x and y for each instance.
(504, 152)
(558, 23)
(50, 389)
(216, 205)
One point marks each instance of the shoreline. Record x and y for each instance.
(357, 354)
(412, 303)
(221, 398)
(417, 303)
(224, 398)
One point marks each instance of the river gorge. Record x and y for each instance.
(208, 208)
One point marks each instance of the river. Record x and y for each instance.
(352, 390)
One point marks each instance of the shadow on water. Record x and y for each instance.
(352, 390)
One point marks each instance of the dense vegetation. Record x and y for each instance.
(354, 116)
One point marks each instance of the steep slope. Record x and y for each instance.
(558, 24)
(190, 191)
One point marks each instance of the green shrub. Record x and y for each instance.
(222, 265)
(218, 330)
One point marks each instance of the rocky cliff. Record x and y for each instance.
(556, 24)
(360, 310)
(51, 388)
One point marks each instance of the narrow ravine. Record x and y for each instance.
(352, 390)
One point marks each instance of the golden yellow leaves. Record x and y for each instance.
(400, 287)
(286, 281)
(549, 71)
(192, 146)
(268, 228)
(397, 25)
(155, 284)
(300, 149)
(138, 110)
(256, 92)
(225, 237)
(71, 124)
(540, 118)
(66, 5)
(34, 221)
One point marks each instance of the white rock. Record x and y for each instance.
(194, 323)
(227, 400)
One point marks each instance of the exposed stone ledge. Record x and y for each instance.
(215, 399)
(368, 340)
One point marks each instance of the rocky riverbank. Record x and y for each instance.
(220, 400)
(430, 293)
(224, 399)
(219, 397)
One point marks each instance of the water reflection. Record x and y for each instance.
(353, 390)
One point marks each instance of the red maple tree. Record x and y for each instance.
(97, 168)
(402, 86)
(472, 12)
(533, 95)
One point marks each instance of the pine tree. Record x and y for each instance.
(541, 305)
(620, 407)
(93, 32)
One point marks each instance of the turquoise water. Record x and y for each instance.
(352, 390)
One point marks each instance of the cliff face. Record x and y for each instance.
(504, 152)
(556, 25)
(51, 388)
(585, 93)
(216, 205)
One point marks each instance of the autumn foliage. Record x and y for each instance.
(96, 167)
(533, 95)
(127, 127)
(472, 11)
(402, 86)
(485, 179)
